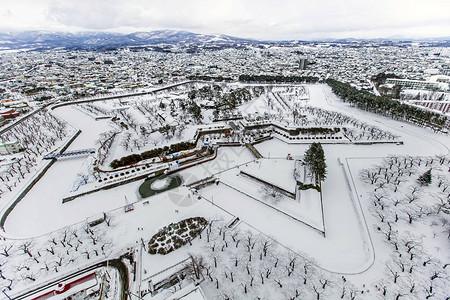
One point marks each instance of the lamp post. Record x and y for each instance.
(140, 267)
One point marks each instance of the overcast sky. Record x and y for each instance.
(260, 19)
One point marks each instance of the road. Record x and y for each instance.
(9, 126)
(121, 96)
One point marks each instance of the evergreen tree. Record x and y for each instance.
(195, 110)
(315, 159)
(425, 178)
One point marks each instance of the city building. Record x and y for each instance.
(303, 62)
(8, 113)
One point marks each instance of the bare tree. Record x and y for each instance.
(26, 248)
(271, 194)
(6, 250)
(195, 266)
(393, 271)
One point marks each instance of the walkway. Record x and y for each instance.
(69, 153)
(253, 150)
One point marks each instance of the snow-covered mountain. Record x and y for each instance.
(101, 40)
(158, 39)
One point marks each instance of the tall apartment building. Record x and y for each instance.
(303, 62)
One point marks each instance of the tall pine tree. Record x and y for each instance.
(315, 159)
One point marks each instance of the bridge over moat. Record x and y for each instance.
(69, 153)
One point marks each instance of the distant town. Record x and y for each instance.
(414, 72)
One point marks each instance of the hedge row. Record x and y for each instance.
(278, 79)
(311, 130)
(209, 78)
(134, 158)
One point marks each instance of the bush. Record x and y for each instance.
(310, 186)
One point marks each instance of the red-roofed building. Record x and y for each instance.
(8, 113)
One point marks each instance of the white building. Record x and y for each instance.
(413, 84)
(9, 147)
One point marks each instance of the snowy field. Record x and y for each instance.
(264, 169)
(307, 210)
(46, 196)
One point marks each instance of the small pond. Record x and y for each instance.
(159, 184)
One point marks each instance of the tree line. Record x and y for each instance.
(134, 158)
(215, 93)
(312, 130)
(209, 78)
(385, 106)
(278, 79)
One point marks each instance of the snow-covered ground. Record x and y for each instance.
(265, 169)
(350, 245)
(307, 211)
(46, 196)
(344, 233)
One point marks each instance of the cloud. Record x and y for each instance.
(7, 14)
(86, 14)
(264, 19)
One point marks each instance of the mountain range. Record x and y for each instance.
(101, 40)
(42, 40)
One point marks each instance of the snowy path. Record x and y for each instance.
(345, 231)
